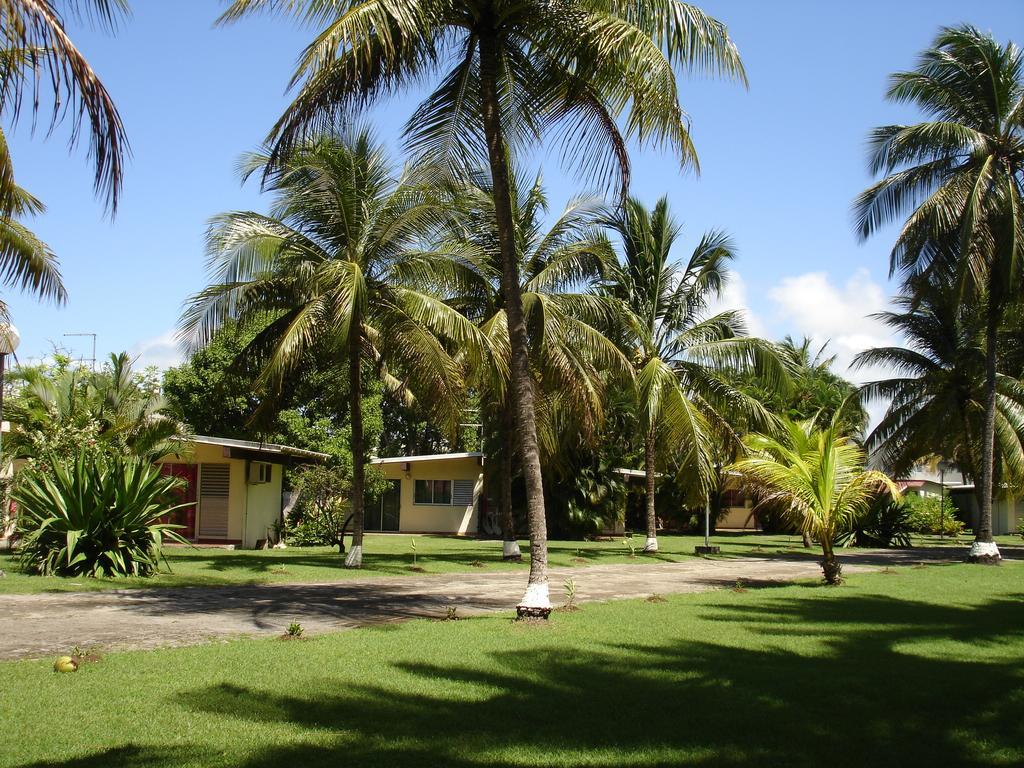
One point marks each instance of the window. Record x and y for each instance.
(433, 492)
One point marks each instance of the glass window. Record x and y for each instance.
(424, 492)
(442, 491)
(433, 492)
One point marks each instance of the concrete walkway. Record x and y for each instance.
(46, 624)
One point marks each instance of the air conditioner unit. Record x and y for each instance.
(259, 472)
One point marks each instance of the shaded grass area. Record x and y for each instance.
(910, 667)
(391, 555)
(384, 555)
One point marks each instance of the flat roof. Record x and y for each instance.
(427, 457)
(251, 445)
(633, 472)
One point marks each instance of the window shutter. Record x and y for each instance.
(462, 493)
(214, 482)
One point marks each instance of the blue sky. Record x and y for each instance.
(781, 163)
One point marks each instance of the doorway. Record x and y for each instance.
(385, 514)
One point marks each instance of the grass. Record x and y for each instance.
(917, 666)
(384, 555)
(391, 555)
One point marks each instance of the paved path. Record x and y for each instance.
(45, 624)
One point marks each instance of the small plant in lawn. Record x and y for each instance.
(656, 598)
(477, 564)
(295, 630)
(628, 541)
(449, 613)
(414, 566)
(570, 595)
(738, 586)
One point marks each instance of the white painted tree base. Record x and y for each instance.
(536, 603)
(510, 550)
(984, 551)
(651, 544)
(354, 559)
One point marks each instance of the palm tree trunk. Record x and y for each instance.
(510, 545)
(830, 565)
(984, 549)
(536, 602)
(806, 536)
(651, 544)
(355, 554)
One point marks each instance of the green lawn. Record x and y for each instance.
(391, 555)
(916, 666)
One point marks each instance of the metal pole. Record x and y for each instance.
(3, 361)
(942, 503)
(707, 523)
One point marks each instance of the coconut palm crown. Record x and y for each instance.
(560, 265)
(936, 397)
(681, 352)
(37, 54)
(590, 74)
(337, 265)
(956, 182)
(818, 475)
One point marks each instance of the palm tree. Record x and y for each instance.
(510, 72)
(958, 181)
(558, 267)
(26, 262)
(819, 475)
(680, 353)
(36, 53)
(59, 408)
(336, 265)
(936, 400)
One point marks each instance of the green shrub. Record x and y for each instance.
(886, 523)
(311, 532)
(927, 514)
(1020, 528)
(98, 515)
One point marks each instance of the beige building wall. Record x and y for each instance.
(436, 518)
(738, 518)
(252, 509)
(263, 506)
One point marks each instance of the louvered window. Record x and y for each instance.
(214, 482)
(462, 493)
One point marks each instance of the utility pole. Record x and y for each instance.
(92, 360)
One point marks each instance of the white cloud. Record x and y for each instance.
(161, 351)
(734, 296)
(812, 305)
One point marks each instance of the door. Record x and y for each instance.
(383, 514)
(390, 506)
(186, 516)
(214, 481)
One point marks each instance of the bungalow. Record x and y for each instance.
(1007, 511)
(439, 493)
(234, 486)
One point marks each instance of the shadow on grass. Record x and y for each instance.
(128, 756)
(850, 696)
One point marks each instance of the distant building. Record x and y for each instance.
(234, 487)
